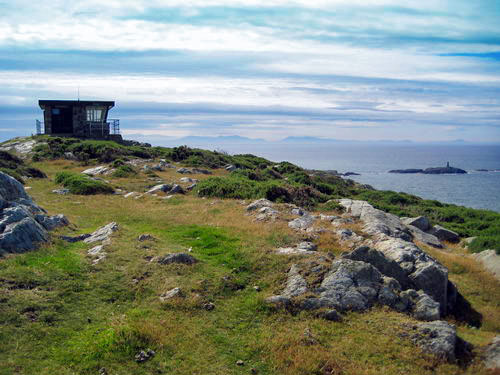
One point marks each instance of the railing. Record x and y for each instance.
(39, 127)
(114, 125)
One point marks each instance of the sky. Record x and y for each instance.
(345, 69)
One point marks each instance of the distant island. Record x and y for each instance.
(435, 170)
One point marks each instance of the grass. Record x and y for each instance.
(59, 314)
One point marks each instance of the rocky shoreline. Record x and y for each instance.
(434, 170)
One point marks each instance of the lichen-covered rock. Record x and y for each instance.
(445, 234)
(296, 285)
(172, 293)
(492, 354)
(420, 222)
(23, 224)
(159, 188)
(102, 233)
(97, 170)
(260, 203)
(302, 222)
(426, 238)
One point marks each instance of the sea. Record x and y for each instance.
(475, 189)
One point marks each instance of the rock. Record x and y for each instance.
(146, 237)
(409, 170)
(61, 191)
(201, 171)
(176, 189)
(69, 156)
(385, 265)
(421, 222)
(180, 258)
(78, 238)
(332, 315)
(307, 246)
(143, 356)
(439, 338)
(293, 251)
(422, 270)
(302, 222)
(490, 261)
(467, 241)
(20, 145)
(298, 211)
(22, 236)
(191, 187)
(376, 221)
(492, 355)
(209, 306)
(102, 233)
(157, 167)
(96, 250)
(426, 308)
(260, 203)
(445, 234)
(172, 293)
(239, 362)
(159, 188)
(278, 301)
(52, 222)
(230, 168)
(188, 180)
(131, 194)
(328, 217)
(97, 170)
(296, 285)
(424, 237)
(184, 171)
(444, 170)
(11, 189)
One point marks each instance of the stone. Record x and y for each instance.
(490, 260)
(11, 189)
(278, 301)
(78, 238)
(102, 233)
(201, 171)
(159, 188)
(131, 194)
(176, 189)
(61, 191)
(491, 354)
(438, 338)
(426, 308)
(184, 171)
(332, 315)
(260, 203)
(172, 293)
(302, 222)
(144, 355)
(296, 285)
(146, 237)
(420, 222)
(375, 221)
(239, 362)
(294, 251)
(298, 211)
(191, 187)
(330, 218)
(209, 306)
(230, 168)
(188, 180)
(426, 238)
(96, 250)
(179, 258)
(444, 234)
(52, 222)
(95, 171)
(21, 236)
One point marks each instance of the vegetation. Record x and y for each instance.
(81, 184)
(16, 167)
(59, 314)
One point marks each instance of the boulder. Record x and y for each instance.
(201, 171)
(176, 189)
(78, 238)
(420, 222)
(302, 222)
(490, 261)
(180, 258)
(425, 308)
(260, 203)
(63, 191)
(296, 285)
(97, 170)
(11, 189)
(492, 355)
(426, 238)
(444, 234)
(172, 293)
(184, 171)
(52, 222)
(22, 236)
(188, 180)
(159, 188)
(102, 233)
(376, 221)
(230, 168)
(440, 339)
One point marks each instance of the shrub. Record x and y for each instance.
(485, 242)
(81, 184)
(124, 171)
(15, 167)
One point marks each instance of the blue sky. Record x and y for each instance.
(358, 69)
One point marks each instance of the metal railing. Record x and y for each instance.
(114, 126)
(39, 127)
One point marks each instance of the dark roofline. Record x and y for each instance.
(43, 103)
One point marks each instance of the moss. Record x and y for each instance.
(81, 184)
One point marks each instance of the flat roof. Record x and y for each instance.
(43, 103)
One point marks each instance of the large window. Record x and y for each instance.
(95, 114)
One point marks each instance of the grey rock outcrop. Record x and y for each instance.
(260, 203)
(303, 222)
(444, 234)
(296, 285)
(102, 233)
(420, 222)
(97, 170)
(490, 261)
(426, 238)
(492, 354)
(440, 339)
(159, 188)
(172, 293)
(23, 224)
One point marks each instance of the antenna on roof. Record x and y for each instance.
(78, 92)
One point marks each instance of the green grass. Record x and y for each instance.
(81, 184)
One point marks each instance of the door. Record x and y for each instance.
(62, 120)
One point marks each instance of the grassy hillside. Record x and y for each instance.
(59, 314)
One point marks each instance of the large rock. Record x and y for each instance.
(23, 224)
(258, 204)
(180, 258)
(444, 234)
(376, 221)
(102, 233)
(492, 354)
(440, 339)
(426, 238)
(420, 222)
(159, 188)
(97, 170)
(490, 261)
(296, 285)
(302, 222)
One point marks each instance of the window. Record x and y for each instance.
(56, 111)
(95, 114)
